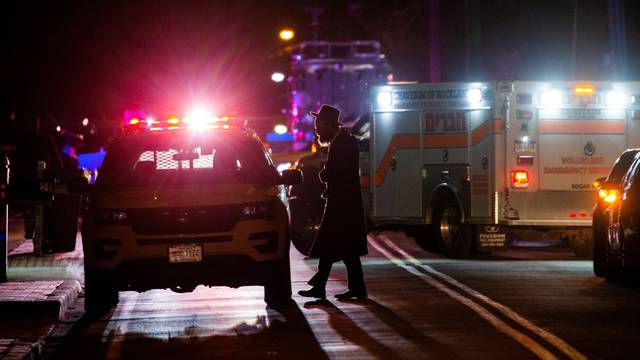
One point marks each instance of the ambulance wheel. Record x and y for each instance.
(99, 295)
(277, 288)
(454, 237)
(582, 244)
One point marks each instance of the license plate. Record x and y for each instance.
(185, 253)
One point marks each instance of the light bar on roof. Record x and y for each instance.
(173, 122)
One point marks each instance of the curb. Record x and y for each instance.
(54, 306)
(11, 349)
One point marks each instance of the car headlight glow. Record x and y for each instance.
(615, 99)
(551, 98)
(384, 99)
(280, 129)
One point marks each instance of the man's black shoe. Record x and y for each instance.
(314, 293)
(360, 295)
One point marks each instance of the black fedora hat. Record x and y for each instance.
(327, 113)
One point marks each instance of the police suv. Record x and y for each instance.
(183, 202)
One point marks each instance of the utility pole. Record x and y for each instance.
(574, 41)
(4, 216)
(314, 12)
(618, 39)
(435, 65)
(472, 40)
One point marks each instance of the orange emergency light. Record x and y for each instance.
(583, 90)
(608, 195)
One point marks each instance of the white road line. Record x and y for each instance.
(552, 339)
(500, 325)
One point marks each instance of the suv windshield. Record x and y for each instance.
(621, 166)
(159, 160)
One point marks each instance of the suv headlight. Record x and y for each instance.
(256, 211)
(112, 217)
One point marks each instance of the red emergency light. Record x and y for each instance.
(141, 123)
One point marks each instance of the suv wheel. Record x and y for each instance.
(277, 288)
(454, 237)
(305, 221)
(599, 248)
(613, 265)
(99, 295)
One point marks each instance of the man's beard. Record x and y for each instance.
(324, 138)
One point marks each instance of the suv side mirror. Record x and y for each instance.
(78, 185)
(291, 177)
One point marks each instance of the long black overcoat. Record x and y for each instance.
(342, 232)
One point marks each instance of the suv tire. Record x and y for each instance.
(599, 248)
(277, 288)
(99, 295)
(305, 221)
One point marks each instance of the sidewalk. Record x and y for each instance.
(37, 295)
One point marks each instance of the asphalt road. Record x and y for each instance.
(519, 304)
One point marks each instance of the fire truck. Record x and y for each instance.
(335, 73)
(482, 164)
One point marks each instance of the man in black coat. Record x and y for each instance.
(342, 234)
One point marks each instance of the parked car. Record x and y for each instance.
(606, 189)
(623, 225)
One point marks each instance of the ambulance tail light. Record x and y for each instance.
(520, 179)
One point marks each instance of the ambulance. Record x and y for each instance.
(483, 164)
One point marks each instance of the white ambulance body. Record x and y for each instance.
(480, 160)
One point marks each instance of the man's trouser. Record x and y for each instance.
(355, 277)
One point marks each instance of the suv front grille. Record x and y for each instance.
(184, 220)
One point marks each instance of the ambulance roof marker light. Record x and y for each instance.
(615, 99)
(384, 99)
(474, 95)
(551, 98)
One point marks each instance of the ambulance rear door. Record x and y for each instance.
(580, 140)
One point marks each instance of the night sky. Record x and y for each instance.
(77, 59)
